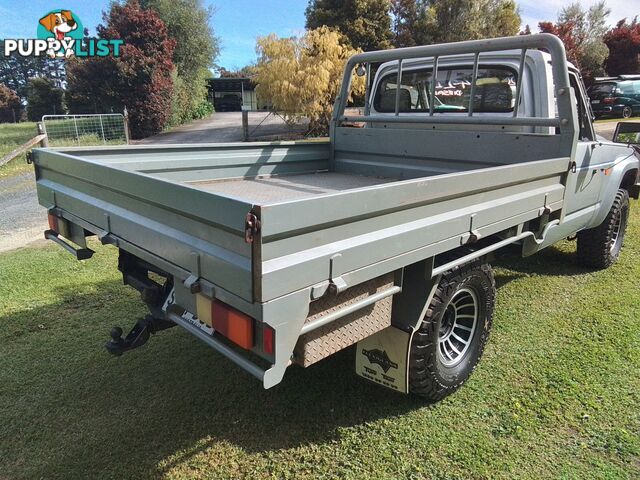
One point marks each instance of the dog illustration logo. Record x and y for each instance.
(61, 35)
(63, 27)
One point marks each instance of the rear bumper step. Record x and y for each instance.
(79, 253)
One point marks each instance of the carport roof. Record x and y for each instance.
(231, 84)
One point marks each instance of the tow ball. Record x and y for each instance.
(138, 336)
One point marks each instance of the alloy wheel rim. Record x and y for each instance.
(617, 236)
(457, 327)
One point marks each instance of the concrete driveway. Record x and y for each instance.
(226, 127)
(22, 220)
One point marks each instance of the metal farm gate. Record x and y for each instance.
(108, 129)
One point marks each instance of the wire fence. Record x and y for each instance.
(108, 129)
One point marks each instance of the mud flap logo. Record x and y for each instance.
(380, 357)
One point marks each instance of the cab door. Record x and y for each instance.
(585, 178)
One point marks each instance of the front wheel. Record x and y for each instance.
(600, 247)
(627, 112)
(451, 338)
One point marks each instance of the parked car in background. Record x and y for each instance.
(616, 96)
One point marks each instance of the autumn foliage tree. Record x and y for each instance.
(564, 31)
(140, 79)
(301, 77)
(624, 48)
(10, 105)
(582, 31)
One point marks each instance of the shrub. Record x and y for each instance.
(301, 77)
(10, 105)
(140, 79)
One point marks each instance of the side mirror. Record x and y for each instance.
(361, 70)
(627, 132)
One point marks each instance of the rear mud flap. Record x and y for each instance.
(383, 358)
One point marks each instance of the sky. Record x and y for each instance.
(239, 22)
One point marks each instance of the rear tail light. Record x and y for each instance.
(227, 321)
(608, 100)
(233, 324)
(59, 225)
(268, 339)
(53, 222)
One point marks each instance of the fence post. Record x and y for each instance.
(42, 131)
(75, 122)
(104, 139)
(127, 133)
(245, 125)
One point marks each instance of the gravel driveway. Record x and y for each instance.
(22, 220)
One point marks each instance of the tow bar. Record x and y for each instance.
(138, 336)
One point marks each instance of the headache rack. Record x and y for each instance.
(564, 122)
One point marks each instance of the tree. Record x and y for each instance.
(365, 23)
(247, 71)
(43, 98)
(405, 18)
(624, 48)
(582, 31)
(10, 105)
(436, 21)
(301, 77)
(141, 79)
(16, 71)
(564, 31)
(189, 24)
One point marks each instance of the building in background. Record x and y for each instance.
(233, 94)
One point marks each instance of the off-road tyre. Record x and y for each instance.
(600, 247)
(429, 377)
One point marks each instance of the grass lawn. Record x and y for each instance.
(12, 135)
(557, 394)
(617, 119)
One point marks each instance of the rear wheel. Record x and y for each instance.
(600, 247)
(451, 338)
(627, 112)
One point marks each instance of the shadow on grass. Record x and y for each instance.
(123, 415)
(552, 261)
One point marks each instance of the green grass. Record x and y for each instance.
(556, 395)
(12, 135)
(617, 119)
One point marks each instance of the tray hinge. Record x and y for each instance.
(251, 227)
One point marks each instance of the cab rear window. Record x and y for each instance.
(495, 90)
